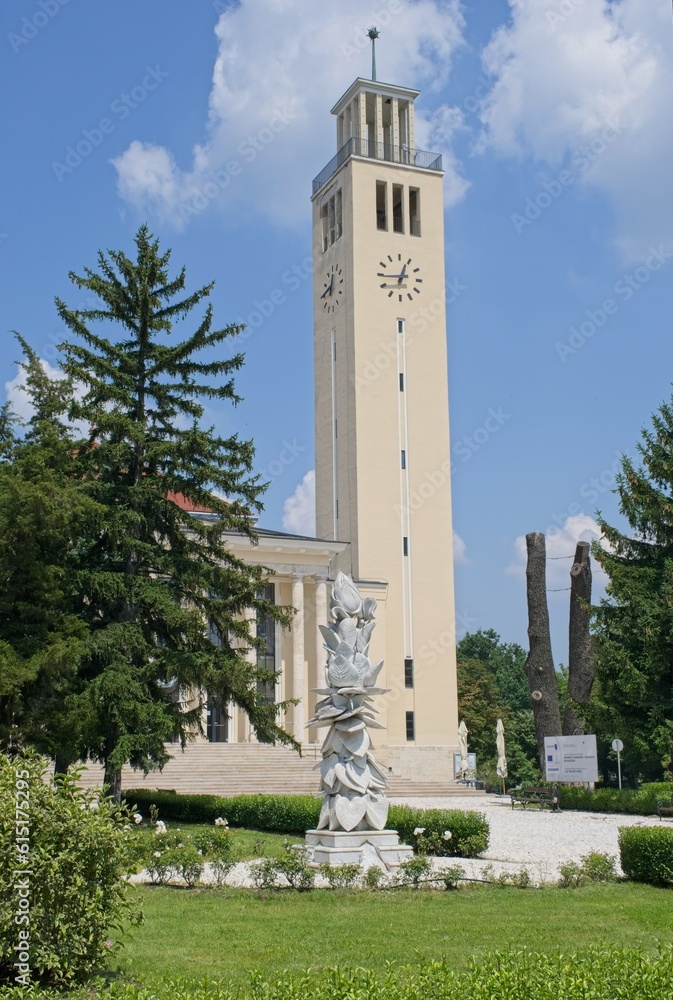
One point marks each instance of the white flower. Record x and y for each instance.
(200, 852)
(157, 854)
(93, 805)
(419, 830)
(160, 826)
(137, 819)
(181, 845)
(221, 822)
(447, 835)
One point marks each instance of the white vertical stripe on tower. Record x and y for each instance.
(335, 460)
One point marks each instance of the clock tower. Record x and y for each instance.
(383, 466)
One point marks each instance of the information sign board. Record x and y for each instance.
(570, 758)
(471, 766)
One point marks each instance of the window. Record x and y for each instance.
(404, 459)
(400, 326)
(408, 672)
(405, 545)
(217, 722)
(331, 218)
(411, 735)
(398, 208)
(414, 211)
(381, 198)
(401, 382)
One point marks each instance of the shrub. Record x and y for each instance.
(187, 863)
(340, 876)
(641, 802)
(279, 813)
(452, 875)
(593, 867)
(78, 854)
(469, 831)
(413, 872)
(519, 880)
(646, 854)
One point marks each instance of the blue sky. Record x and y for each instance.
(554, 119)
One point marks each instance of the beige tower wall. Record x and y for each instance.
(379, 503)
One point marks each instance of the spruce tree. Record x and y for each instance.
(156, 583)
(43, 515)
(633, 626)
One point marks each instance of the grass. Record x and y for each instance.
(226, 933)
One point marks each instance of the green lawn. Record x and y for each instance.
(226, 933)
(246, 844)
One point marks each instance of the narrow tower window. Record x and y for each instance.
(414, 211)
(405, 545)
(403, 459)
(401, 381)
(408, 672)
(381, 219)
(411, 729)
(398, 208)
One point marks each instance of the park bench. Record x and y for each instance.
(665, 808)
(535, 796)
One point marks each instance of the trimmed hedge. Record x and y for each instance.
(295, 814)
(276, 813)
(640, 802)
(646, 854)
(595, 974)
(469, 830)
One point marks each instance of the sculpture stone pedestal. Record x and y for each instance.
(359, 847)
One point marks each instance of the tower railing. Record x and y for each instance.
(377, 151)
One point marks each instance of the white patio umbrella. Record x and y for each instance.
(462, 747)
(500, 744)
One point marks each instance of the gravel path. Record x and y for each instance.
(538, 840)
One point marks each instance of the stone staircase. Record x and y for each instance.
(251, 768)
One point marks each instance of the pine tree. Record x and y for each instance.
(43, 513)
(634, 624)
(157, 583)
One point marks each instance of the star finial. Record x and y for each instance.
(374, 33)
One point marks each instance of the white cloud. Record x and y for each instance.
(560, 546)
(299, 509)
(280, 66)
(560, 78)
(459, 551)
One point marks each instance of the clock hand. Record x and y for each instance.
(402, 276)
(328, 290)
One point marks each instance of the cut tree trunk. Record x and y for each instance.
(581, 664)
(540, 662)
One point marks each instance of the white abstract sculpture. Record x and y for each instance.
(352, 783)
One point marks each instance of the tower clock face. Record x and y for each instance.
(333, 287)
(401, 277)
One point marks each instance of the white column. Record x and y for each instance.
(298, 711)
(320, 619)
(395, 117)
(251, 657)
(378, 132)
